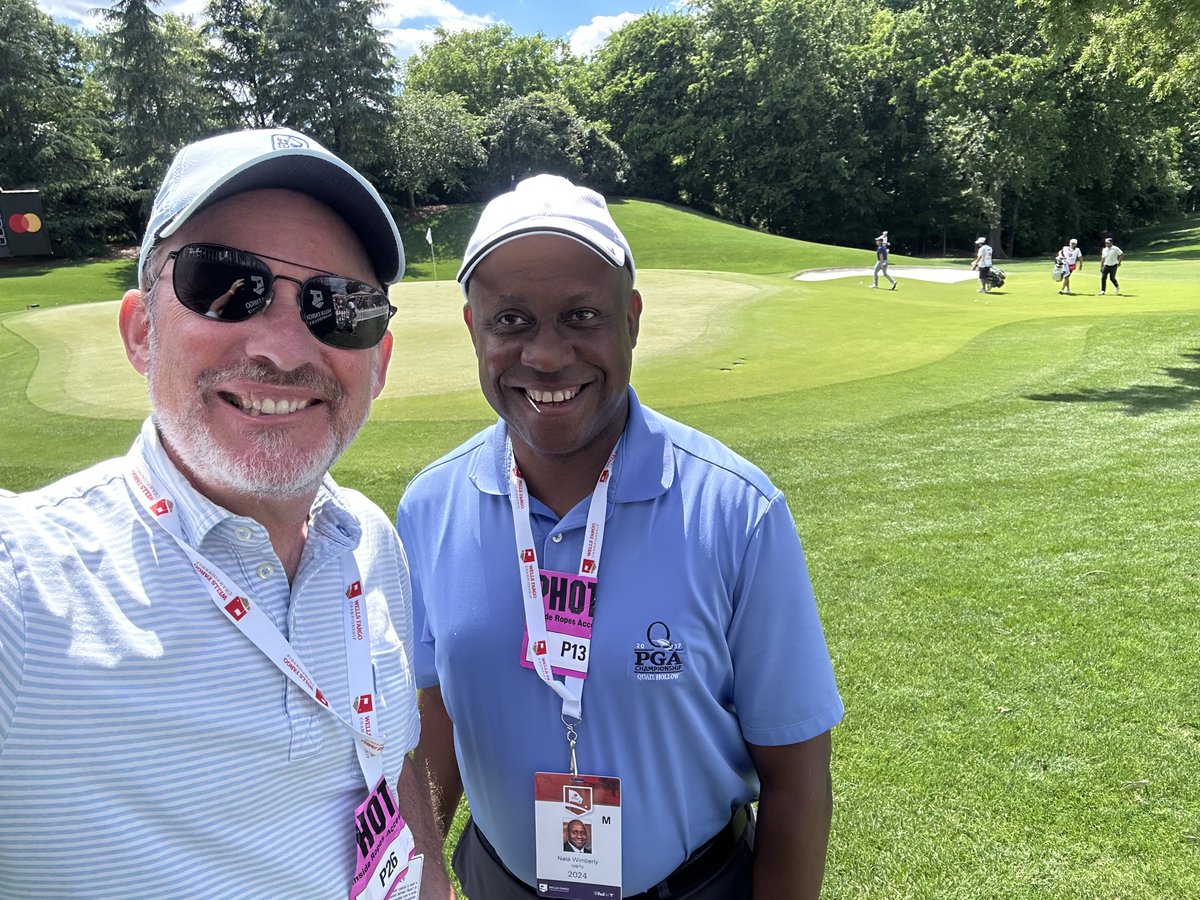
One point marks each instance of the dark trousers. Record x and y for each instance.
(484, 877)
(1107, 272)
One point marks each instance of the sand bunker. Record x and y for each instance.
(920, 273)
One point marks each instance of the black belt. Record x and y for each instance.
(707, 859)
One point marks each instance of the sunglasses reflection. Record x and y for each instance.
(349, 310)
(214, 311)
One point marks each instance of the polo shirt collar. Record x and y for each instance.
(645, 466)
(198, 515)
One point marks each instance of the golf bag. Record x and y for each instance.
(995, 277)
(1058, 272)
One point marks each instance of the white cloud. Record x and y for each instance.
(86, 13)
(408, 23)
(587, 38)
(438, 13)
(78, 13)
(407, 41)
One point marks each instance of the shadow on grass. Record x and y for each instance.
(124, 276)
(1140, 399)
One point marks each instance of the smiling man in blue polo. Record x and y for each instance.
(614, 621)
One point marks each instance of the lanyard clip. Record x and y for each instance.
(572, 739)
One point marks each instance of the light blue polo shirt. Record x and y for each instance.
(700, 550)
(147, 748)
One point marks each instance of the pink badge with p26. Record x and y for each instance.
(388, 866)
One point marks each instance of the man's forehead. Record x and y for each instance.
(282, 223)
(534, 262)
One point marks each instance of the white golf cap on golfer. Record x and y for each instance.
(547, 204)
(980, 240)
(218, 167)
(1073, 241)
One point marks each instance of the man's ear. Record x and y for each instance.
(633, 316)
(134, 322)
(381, 364)
(469, 318)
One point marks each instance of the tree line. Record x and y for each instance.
(1028, 121)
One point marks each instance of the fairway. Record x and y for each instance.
(997, 497)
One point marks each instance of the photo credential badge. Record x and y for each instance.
(569, 602)
(578, 836)
(388, 865)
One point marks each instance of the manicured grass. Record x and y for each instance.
(997, 495)
(662, 237)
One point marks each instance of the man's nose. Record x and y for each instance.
(548, 349)
(279, 335)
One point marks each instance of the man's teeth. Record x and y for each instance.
(551, 396)
(270, 407)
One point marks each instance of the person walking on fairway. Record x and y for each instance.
(881, 261)
(1071, 258)
(983, 263)
(1110, 260)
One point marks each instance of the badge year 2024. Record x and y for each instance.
(578, 836)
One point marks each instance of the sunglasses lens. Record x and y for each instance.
(220, 282)
(344, 313)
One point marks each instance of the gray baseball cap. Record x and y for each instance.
(217, 167)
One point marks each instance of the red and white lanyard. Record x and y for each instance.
(571, 688)
(252, 621)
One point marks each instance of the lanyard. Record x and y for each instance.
(570, 689)
(250, 619)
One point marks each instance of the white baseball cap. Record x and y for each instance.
(547, 204)
(1073, 241)
(980, 240)
(218, 167)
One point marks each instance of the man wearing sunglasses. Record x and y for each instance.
(614, 618)
(205, 646)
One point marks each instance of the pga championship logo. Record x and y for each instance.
(659, 658)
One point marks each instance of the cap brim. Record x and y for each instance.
(608, 251)
(319, 176)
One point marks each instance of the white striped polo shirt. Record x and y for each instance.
(147, 748)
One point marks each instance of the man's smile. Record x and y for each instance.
(559, 396)
(266, 406)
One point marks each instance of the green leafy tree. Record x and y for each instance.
(55, 130)
(778, 141)
(335, 77)
(639, 83)
(435, 143)
(1152, 43)
(238, 61)
(1004, 119)
(153, 68)
(911, 190)
(487, 66)
(543, 133)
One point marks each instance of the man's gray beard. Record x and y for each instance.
(263, 469)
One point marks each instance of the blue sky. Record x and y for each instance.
(409, 23)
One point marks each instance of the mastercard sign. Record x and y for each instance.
(22, 228)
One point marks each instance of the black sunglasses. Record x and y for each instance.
(233, 285)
